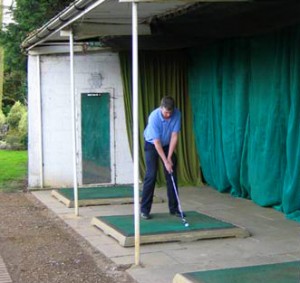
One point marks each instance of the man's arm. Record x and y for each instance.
(162, 155)
(172, 146)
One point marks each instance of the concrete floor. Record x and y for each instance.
(273, 237)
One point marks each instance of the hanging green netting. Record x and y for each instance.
(245, 100)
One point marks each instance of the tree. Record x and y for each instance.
(28, 15)
(1, 58)
(1, 75)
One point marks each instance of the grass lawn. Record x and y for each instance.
(13, 170)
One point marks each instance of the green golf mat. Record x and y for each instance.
(163, 227)
(286, 272)
(97, 195)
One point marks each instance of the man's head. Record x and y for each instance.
(167, 106)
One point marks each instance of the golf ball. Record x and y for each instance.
(186, 224)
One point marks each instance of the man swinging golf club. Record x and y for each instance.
(161, 136)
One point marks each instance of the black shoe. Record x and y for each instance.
(145, 216)
(177, 213)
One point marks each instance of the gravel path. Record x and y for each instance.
(38, 247)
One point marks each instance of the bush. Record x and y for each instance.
(4, 145)
(15, 115)
(23, 129)
(2, 119)
(13, 140)
(16, 138)
(3, 126)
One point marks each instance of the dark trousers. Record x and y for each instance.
(152, 158)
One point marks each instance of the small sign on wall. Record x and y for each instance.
(94, 94)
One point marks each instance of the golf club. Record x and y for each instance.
(185, 223)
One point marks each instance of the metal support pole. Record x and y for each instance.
(74, 136)
(135, 132)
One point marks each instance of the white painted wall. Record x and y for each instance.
(57, 120)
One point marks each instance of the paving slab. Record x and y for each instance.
(273, 237)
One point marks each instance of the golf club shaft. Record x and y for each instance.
(177, 197)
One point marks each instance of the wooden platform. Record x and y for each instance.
(163, 227)
(286, 272)
(98, 196)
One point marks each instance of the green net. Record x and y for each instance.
(245, 103)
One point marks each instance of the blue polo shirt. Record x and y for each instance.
(161, 129)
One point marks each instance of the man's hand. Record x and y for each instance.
(170, 161)
(166, 160)
(169, 166)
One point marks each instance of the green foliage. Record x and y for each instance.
(14, 81)
(13, 169)
(1, 58)
(3, 129)
(16, 137)
(23, 129)
(2, 119)
(6, 108)
(15, 115)
(1, 11)
(28, 15)
(1, 75)
(32, 14)
(13, 139)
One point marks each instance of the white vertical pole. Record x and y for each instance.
(135, 132)
(74, 136)
(41, 161)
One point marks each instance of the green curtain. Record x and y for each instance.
(160, 74)
(291, 189)
(246, 108)
(214, 94)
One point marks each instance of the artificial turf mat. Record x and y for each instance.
(286, 272)
(163, 222)
(163, 227)
(96, 192)
(97, 195)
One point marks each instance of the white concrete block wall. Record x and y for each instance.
(57, 120)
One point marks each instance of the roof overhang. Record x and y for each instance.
(165, 24)
(96, 18)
